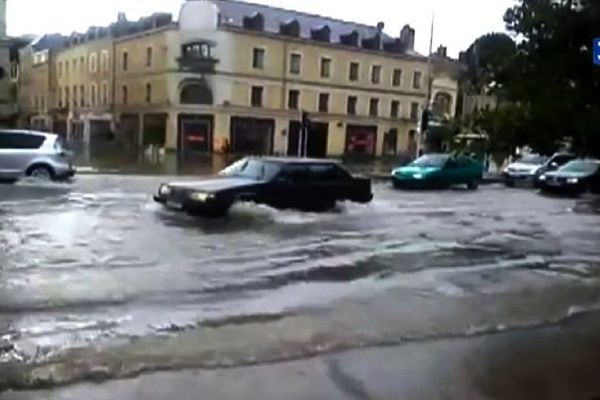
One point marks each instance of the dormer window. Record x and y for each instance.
(322, 34)
(290, 28)
(255, 22)
(350, 39)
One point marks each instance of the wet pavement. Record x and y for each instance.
(97, 282)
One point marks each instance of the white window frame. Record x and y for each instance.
(420, 80)
(356, 107)
(357, 80)
(262, 99)
(399, 115)
(93, 63)
(328, 102)
(264, 66)
(378, 113)
(373, 71)
(400, 84)
(105, 88)
(299, 99)
(146, 84)
(93, 94)
(331, 68)
(289, 68)
(151, 48)
(104, 61)
(122, 58)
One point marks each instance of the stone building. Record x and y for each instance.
(234, 76)
(8, 72)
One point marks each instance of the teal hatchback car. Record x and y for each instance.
(439, 171)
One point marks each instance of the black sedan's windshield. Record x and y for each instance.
(251, 169)
(587, 167)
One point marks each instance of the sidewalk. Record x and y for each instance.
(553, 362)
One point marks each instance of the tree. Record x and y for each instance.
(552, 77)
(488, 61)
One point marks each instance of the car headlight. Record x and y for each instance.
(418, 176)
(199, 196)
(542, 177)
(572, 181)
(164, 190)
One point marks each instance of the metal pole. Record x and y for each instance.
(422, 134)
(300, 133)
(305, 141)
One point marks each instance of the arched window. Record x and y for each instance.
(195, 92)
(442, 103)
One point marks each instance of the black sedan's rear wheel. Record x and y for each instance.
(473, 185)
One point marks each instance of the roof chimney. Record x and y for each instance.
(407, 37)
(380, 26)
(442, 51)
(121, 17)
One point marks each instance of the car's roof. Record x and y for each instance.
(29, 132)
(295, 160)
(587, 160)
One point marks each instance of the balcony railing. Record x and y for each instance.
(197, 64)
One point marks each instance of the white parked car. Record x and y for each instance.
(524, 170)
(34, 154)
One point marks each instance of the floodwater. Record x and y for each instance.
(98, 282)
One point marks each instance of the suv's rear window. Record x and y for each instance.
(20, 141)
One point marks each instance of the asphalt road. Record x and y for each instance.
(457, 287)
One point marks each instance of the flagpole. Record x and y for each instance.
(429, 84)
(430, 61)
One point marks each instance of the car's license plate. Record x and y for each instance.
(174, 205)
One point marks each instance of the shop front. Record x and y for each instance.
(361, 140)
(252, 136)
(195, 134)
(314, 145)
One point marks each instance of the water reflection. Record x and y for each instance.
(114, 158)
(111, 157)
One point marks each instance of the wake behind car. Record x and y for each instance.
(34, 154)
(439, 171)
(575, 178)
(282, 183)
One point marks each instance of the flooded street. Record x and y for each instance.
(98, 282)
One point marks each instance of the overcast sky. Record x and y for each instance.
(457, 22)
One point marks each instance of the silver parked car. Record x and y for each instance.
(35, 154)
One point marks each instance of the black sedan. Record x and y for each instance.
(282, 183)
(554, 163)
(575, 178)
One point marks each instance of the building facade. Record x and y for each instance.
(236, 77)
